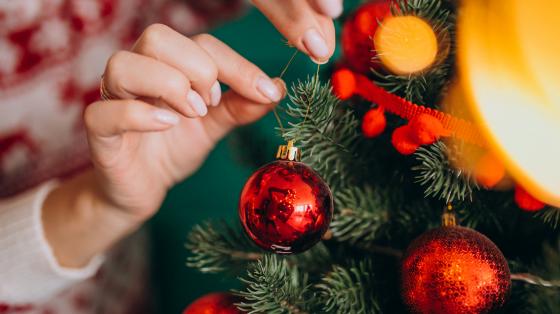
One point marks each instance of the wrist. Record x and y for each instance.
(80, 222)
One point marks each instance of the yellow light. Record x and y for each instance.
(406, 44)
(510, 69)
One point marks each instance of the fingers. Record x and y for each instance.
(110, 118)
(235, 110)
(129, 75)
(170, 47)
(184, 73)
(309, 30)
(241, 75)
(330, 8)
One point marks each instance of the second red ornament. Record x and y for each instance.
(285, 206)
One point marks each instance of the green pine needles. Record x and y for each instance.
(275, 287)
(326, 134)
(349, 290)
(439, 177)
(219, 247)
(360, 215)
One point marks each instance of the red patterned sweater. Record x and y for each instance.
(52, 54)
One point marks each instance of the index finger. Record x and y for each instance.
(239, 73)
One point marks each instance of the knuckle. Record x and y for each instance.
(204, 39)
(116, 66)
(177, 84)
(154, 32)
(151, 36)
(89, 116)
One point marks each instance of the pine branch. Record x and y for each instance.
(349, 290)
(439, 177)
(550, 215)
(326, 135)
(217, 249)
(360, 215)
(275, 287)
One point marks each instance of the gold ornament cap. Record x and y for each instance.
(448, 219)
(288, 152)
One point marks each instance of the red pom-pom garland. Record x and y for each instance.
(374, 122)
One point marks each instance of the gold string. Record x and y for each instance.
(281, 75)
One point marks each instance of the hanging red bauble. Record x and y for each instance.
(454, 270)
(357, 34)
(214, 303)
(285, 206)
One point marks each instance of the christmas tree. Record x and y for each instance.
(399, 166)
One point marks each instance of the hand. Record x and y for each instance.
(307, 24)
(169, 115)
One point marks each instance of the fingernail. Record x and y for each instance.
(166, 117)
(332, 8)
(281, 85)
(267, 87)
(215, 94)
(316, 45)
(197, 103)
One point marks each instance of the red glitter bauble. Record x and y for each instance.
(454, 270)
(285, 207)
(214, 303)
(357, 34)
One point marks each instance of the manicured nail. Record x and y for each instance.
(166, 116)
(215, 94)
(197, 103)
(332, 8)
(316, 45)
(267, 87)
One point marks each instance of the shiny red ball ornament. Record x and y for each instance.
(285, 206)
(454, 270)
(357, 35)
(214, 303)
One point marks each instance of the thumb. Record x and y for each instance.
(235, 110)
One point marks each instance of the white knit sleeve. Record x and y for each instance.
(29, 271)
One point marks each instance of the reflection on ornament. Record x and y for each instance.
(406, 44)
(452, 270)
(285, 206)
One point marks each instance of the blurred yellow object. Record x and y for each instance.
(405, 44)
(509, 64)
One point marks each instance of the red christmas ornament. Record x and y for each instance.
(454, 270)
(214, 303)
(357, 35)
(285, 206)
(374, 122)
(526, 201)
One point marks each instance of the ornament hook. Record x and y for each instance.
(288, 152)
(448, 219)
